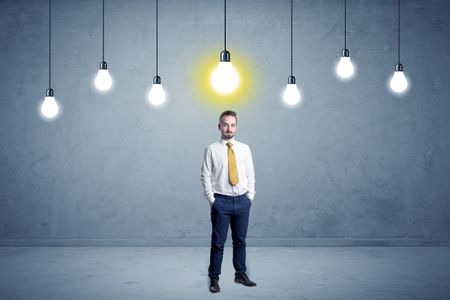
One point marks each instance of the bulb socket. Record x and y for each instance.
(49, 93)
(225, 56)
(103, 65)
(345, 53)
(291, 79)
(399, 67)
(156, 80)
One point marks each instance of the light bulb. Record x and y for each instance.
(224, 78)
(345, 69)
(399, 84)
(103, 81)
(157, 96)
(291, 95)
(49, 108)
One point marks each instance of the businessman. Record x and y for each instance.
(228, 180)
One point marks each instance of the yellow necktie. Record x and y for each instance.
(232, 167)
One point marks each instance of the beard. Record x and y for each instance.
(227, 135)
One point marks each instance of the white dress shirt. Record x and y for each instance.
(215, 170)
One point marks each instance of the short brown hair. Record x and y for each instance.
(227, 113)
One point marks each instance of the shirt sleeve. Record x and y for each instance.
(250, 175)
(206, 175)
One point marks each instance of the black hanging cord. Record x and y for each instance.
(345, 24)
(225, 25)
(103, 32)
(398, 24)
(292, 57)
(49, 44)
(156, 37)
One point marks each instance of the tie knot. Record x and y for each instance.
(229, 144)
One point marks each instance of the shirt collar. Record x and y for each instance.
(224, 142)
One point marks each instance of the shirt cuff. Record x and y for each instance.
(250, 196)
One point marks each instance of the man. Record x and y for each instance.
(228, 181)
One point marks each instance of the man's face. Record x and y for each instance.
(228, 127)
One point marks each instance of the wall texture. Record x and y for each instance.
(353, 165)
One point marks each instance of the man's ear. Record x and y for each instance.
(218, 126)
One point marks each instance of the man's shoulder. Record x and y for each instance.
(241, 144)
(213, 145)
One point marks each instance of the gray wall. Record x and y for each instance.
(354, 162)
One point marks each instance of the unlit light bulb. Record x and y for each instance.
(399, 84)
(157, 96)
(103, 81)
(291, 95)
(49, 108)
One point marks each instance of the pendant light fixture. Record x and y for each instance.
(398, 83)
(291, 95)
(157, 96)
(49, 107)
(103, 81)
(224, 79)
(345, 69)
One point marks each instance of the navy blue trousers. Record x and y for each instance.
(228, 211)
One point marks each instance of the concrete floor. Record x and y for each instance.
(134, 273)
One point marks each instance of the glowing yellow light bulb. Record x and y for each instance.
(224, 79)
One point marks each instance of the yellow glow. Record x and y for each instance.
(204, 91)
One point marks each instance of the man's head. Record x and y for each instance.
(228, 124)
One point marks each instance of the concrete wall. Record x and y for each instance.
(352, 164)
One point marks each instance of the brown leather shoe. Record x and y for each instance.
(214, 286)
(242, 278)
